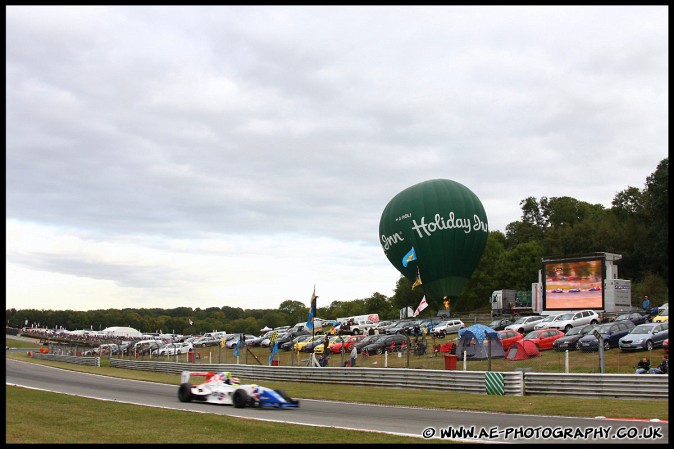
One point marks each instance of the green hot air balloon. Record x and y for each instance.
(438, 227)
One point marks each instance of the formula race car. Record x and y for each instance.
(222, 388)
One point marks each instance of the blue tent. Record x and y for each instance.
(476, 341)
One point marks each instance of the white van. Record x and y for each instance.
(302, 326)
(215, 335)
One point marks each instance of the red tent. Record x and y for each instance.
(522, 350)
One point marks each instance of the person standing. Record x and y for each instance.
(643, 366)
(354, 355)
(646, 305)
(324, 356)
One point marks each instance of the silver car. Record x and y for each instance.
(546, 322)
(645, 336)
(525, 324)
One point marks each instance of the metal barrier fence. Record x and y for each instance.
(619, 386)
(88, 361)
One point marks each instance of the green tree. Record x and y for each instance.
(404, 296)
(296, 310)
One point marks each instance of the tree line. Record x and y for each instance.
(635, 226)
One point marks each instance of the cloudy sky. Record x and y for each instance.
(210, 156)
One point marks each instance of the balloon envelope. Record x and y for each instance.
(447, 226)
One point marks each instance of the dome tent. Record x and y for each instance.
(522, 350)
(126, 332)
(475, 341)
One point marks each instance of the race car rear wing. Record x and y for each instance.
(185, 376)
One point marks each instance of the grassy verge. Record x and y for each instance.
(36, 417)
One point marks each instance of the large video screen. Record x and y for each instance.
(573, 284)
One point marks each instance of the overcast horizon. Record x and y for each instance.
(209, 156)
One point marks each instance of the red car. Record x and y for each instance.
(508, 338)
(349, 340)
(665, 345)
(544, 337)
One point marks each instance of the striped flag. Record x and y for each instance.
(312, 310)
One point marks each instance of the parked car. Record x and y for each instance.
(524, 324)
(544, 338)
(645, 336)
(229, 344)
(662, 317)
(206, 341)
(145, 347)
(389, 343)
(396, 327)
(332, 339)
(257, 340)
(408, 328)
(290, 335)
(634, 317)
(429, 324)
(499, 325)
(282, 336)
(288, 345)
(368, 340)
(545, 322)
(610, 332)
(382, 324)
(508, 337)
(447, 327)
(569, 320)
(173, 349)
(346, 343)
(572, 337)
(309, 344)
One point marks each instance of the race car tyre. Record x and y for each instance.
(240, 398)
(185, 392)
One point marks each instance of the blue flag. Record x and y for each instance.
(312, 310)
(274, 351)
(236, 348)
(409, 257)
